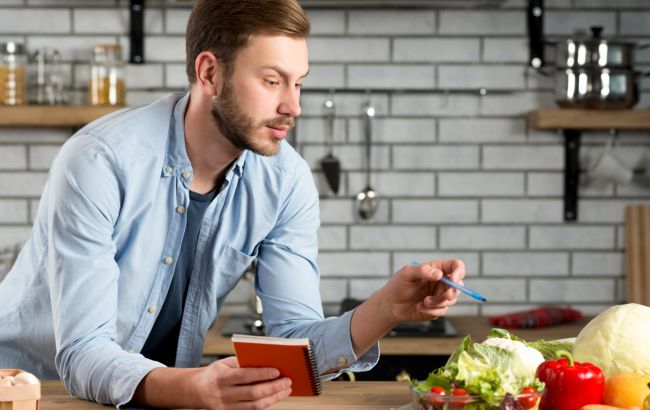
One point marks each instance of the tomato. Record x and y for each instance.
(437, 400)
(460, 398)
(527, 402)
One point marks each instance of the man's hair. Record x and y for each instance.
(223, 27)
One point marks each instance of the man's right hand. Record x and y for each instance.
(222, 385)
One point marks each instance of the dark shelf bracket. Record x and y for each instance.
(571, 173)
(535, 19)
(136, 33)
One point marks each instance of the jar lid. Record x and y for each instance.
(12, 47)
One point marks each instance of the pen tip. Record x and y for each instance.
(483, 300)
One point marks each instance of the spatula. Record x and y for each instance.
(329, 163)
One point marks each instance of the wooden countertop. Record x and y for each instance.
(336, 395)
(477, 327)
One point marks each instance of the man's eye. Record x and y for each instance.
(298, 86)
(272, 82)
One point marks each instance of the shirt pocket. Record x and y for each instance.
(232, 267)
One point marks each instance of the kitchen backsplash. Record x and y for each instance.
(457, 169)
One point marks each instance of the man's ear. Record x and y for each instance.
(209, 73)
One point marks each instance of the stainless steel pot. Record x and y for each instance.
(601, 88)
(594, 52)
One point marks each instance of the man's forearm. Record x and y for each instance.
(169, 387)
(370, 322)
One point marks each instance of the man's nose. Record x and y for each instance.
(290, 103)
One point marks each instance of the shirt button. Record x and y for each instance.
(342, 361)
(187, 174)
(180, 209)
(169, 169)
(168, 260)
(151, 309)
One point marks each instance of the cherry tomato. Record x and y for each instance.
(460, 398)
(530, 401)
(437, 400)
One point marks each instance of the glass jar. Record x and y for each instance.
(13, 74)
(106, 84)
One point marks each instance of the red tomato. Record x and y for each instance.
(438, 391)
(527, 402)
(460, 398)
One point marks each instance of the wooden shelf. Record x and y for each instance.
(51, 116)
(564, 118)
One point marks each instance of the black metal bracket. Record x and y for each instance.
(535, 19)
(136, 33)
(571, 173)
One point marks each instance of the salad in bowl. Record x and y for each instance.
(498, 373)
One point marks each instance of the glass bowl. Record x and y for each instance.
(432, 401)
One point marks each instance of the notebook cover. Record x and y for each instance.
(295, 361)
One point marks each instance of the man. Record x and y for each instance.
(151, 215)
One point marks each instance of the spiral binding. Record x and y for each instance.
(314, 378)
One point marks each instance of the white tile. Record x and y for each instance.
(515, 104)
(14, 157)
(469, 259)
(22, 184)
(435, 105)
(533, 157)
(603, 211)
(336, 211)
(401, 77)
(392, 237)
(491, 309)
(35, 21)
(598, 263)
(351, 157)
(348, 49)
(435, 157)
(571, 237)
(176, 20)
(606, 4)
(567, 23)
(366, 264)
(477, 184)
(505, 50)
(395, 130)
(498, 290)
(12, 235)
(72, 48)
(326, 21)
(572, 290)
(482, 22)
(635, 23)
(176, 77)
(23, 135)
(348, 104)
(490, 77)
(400, 184)
(362, 289)
(113, 21)
(522, 210)
(13, 211)
(439, 50)
(392, 22)
(325, 76)
(144, 76)
(33, 209)
(435, 211)
(552, 184)
(164, 48)
(67, 3)
(482, 237)
(526, 263)
(144, 97)
(333, 290)
(480, 130)
(41, 156)
(332, 238)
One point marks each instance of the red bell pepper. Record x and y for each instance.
(570, 385)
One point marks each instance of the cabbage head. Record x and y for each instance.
(616, 340)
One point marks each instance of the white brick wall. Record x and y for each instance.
(459, 173)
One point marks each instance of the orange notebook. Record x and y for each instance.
(294, 358)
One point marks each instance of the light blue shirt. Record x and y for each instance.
(86, 288)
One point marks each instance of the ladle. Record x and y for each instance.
(367, 200)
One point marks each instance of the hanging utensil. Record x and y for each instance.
(367, 200)
(329, 163)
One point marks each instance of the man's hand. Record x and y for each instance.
(413, 294)
(227, 386)
(222, 385)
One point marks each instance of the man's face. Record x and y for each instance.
(260, 97)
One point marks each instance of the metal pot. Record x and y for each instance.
(594, 52)
(601, 88)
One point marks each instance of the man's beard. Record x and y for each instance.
(238, 127)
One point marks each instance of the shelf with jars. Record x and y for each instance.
(51, 115)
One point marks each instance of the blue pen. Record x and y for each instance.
(458, 286)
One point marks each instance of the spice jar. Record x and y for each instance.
(106, 85)
(13, 74)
